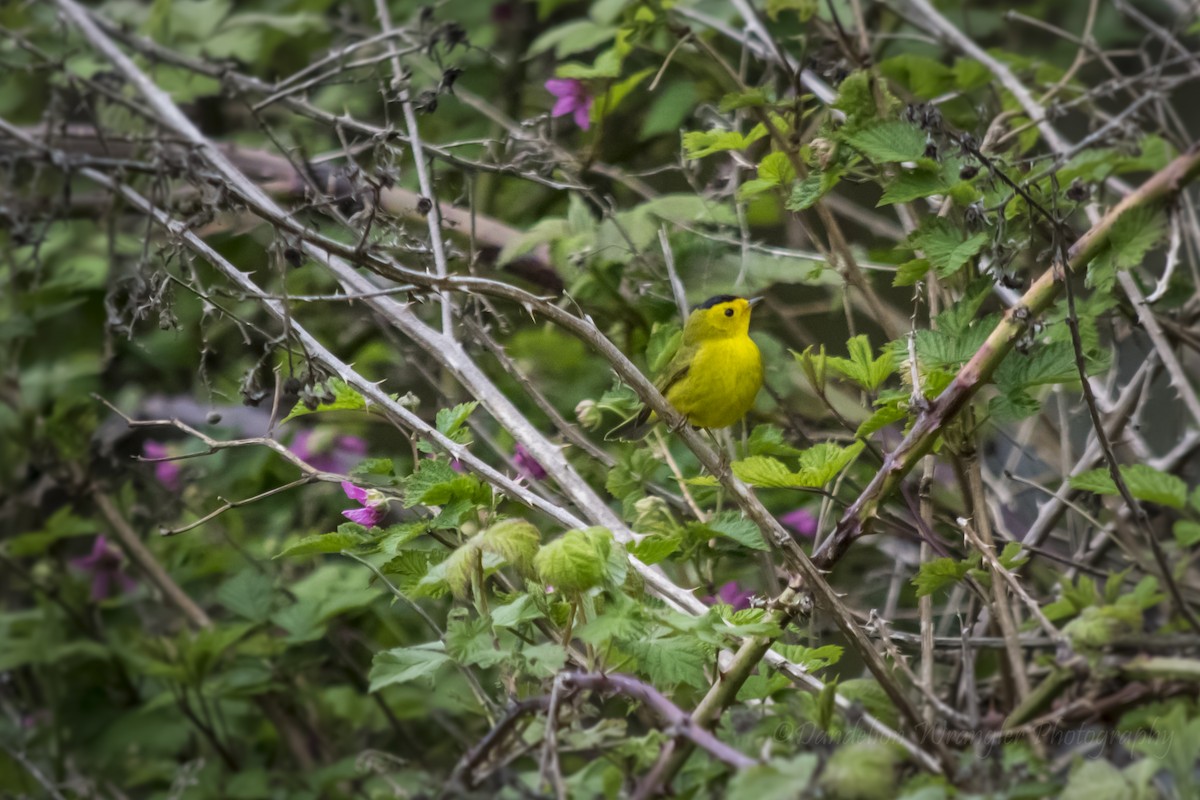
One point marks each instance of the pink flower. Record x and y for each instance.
(167, 472)
(731, 595)
(328, 453)
(573, 98)
(374, 505)
(527, 465)
(801, 521)
(104, 564)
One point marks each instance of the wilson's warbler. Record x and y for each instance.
(716, 373)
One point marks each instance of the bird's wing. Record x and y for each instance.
(636, 426)
(676, 370)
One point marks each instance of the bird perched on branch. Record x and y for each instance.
(716, 373)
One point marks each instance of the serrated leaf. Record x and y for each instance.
(571, 563)
(1143, 481)
(471, 641)
(940, 572)
(768, 440)
(908, 273)
(346, 398)
(822, 462)
(810, 659)
(460, 567)
(861, 367)
(698, 144)
(516, 540)
(404, 664)
(670, 661)
(763, 471)
(881, 418)
(511, 615)
(889, 141)
(946, 247)
(913, 184)
(543, 660)
(450, 420)
(654, 548)
(348, 536)
(732, 525)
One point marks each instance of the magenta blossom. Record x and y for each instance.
(527, 465)
(104, 565)
(167, 472)
(731, 595)
(573, 98)
(374, 505)
(328, 453)
(801, 521)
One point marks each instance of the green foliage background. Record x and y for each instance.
(892, 204)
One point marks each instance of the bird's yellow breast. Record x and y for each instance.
(721, 383)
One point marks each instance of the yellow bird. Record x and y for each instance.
(716, 373)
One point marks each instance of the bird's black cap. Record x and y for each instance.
(715, 301)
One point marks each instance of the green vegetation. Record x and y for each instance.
(314, 316)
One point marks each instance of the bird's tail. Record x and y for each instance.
(634, 428)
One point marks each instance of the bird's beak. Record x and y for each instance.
(753, 301)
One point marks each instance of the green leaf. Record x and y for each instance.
(1143, 481)
(574, 37)
(883, 416)
(655, 548)
(822, 462)
(404, 664)
(939, 572)
(908, 273)
(1096, 779)
(1133, 234)
(913, 184)
(768, 440)
(516, 613)
(248, 594)
(450, 420)
(1049, 364)
(779, 779)
(777, 167)
(810, 658)
(572, 563)
(516, 540)
(807, 192)
(1187, 533)
(460, 567)
(348, 536)
(862, 769)
(670, 661)
(945, 247)
(732, 525)
(763, 471)
(923, 76)
(622, 620)
(543, 232)
(889, 141)
(867, 372)
(543, 660)
(345, 398)
(436, 483)
(698, 144)
(471, 641)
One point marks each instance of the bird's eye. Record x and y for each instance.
(729, 312)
